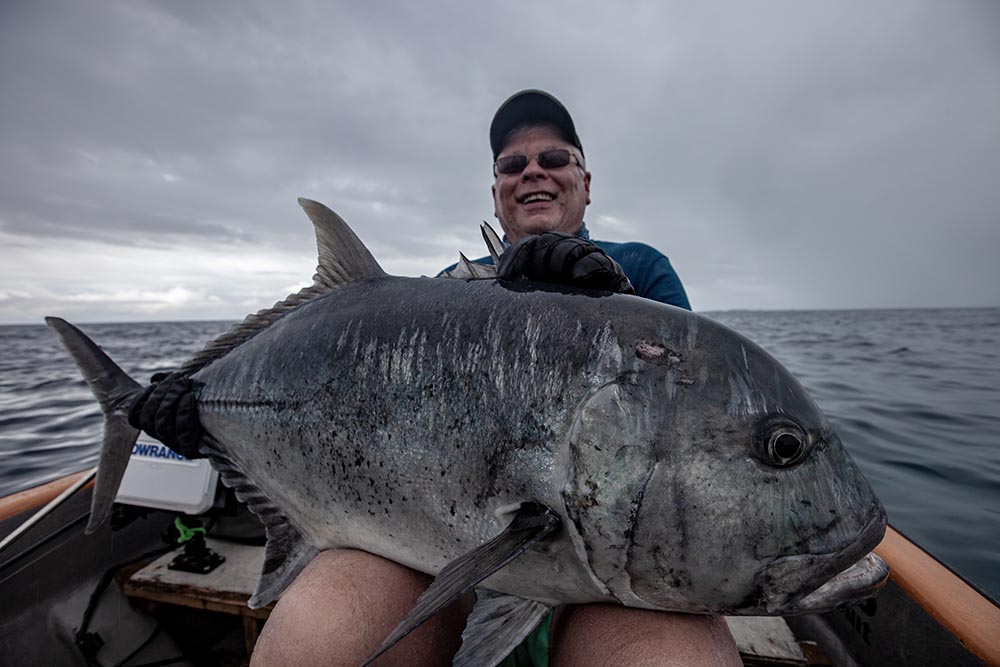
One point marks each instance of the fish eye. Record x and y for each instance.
(780, 443)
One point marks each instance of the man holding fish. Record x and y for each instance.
(346, 601)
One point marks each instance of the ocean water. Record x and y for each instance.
(914, 395)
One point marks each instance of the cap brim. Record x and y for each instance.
(531, 107)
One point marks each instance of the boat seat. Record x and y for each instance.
(225, 589)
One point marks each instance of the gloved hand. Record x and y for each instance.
(166, 410)
(555, 257)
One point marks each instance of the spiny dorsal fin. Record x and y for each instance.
(493, 242)
(343, 258)
(466, 269)
(477, 271)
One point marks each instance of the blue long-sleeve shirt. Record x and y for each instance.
(649, 270)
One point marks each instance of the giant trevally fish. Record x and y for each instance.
(547, 446)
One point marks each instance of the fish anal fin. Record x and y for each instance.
(532, 522)
(285, 556)
(287, 551)
(497, 624)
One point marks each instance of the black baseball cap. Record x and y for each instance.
(531, 107)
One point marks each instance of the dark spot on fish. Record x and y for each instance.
(807, 503)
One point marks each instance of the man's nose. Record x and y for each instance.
(533, 170)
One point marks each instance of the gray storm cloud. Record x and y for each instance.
(783, 155)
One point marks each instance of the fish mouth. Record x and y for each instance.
(858, 582)
(789, 584)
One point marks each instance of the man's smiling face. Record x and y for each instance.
(540, 200)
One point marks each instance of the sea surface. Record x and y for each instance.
(914, 395)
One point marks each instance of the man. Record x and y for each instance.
(540, 192)
(345, 602)
(542, 186)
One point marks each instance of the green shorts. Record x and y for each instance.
(534, 650)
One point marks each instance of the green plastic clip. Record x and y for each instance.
(185, 532)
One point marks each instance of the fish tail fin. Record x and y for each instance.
(114, 390)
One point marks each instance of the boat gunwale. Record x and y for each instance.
(34, 497)
(965, 612)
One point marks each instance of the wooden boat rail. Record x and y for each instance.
(972, 618)
(35, 497)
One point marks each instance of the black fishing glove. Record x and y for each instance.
(554, 257)
(166, 410)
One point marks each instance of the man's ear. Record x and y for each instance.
(586, 184)
(493, 192)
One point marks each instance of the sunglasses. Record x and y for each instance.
(552, 159)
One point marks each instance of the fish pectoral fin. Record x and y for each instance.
(497, 624)
(532, 522)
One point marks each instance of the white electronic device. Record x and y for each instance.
(160, 478)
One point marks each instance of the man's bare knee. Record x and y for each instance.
(343, 605)
(597, 634)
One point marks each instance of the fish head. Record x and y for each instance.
(720, 486)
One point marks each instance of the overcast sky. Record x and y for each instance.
(782, 154)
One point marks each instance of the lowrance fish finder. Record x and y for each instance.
(160, 478)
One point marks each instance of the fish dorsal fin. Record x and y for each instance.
(493, 242)
(343, 259)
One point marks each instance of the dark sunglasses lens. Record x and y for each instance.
(512, 164)
(554, 159)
